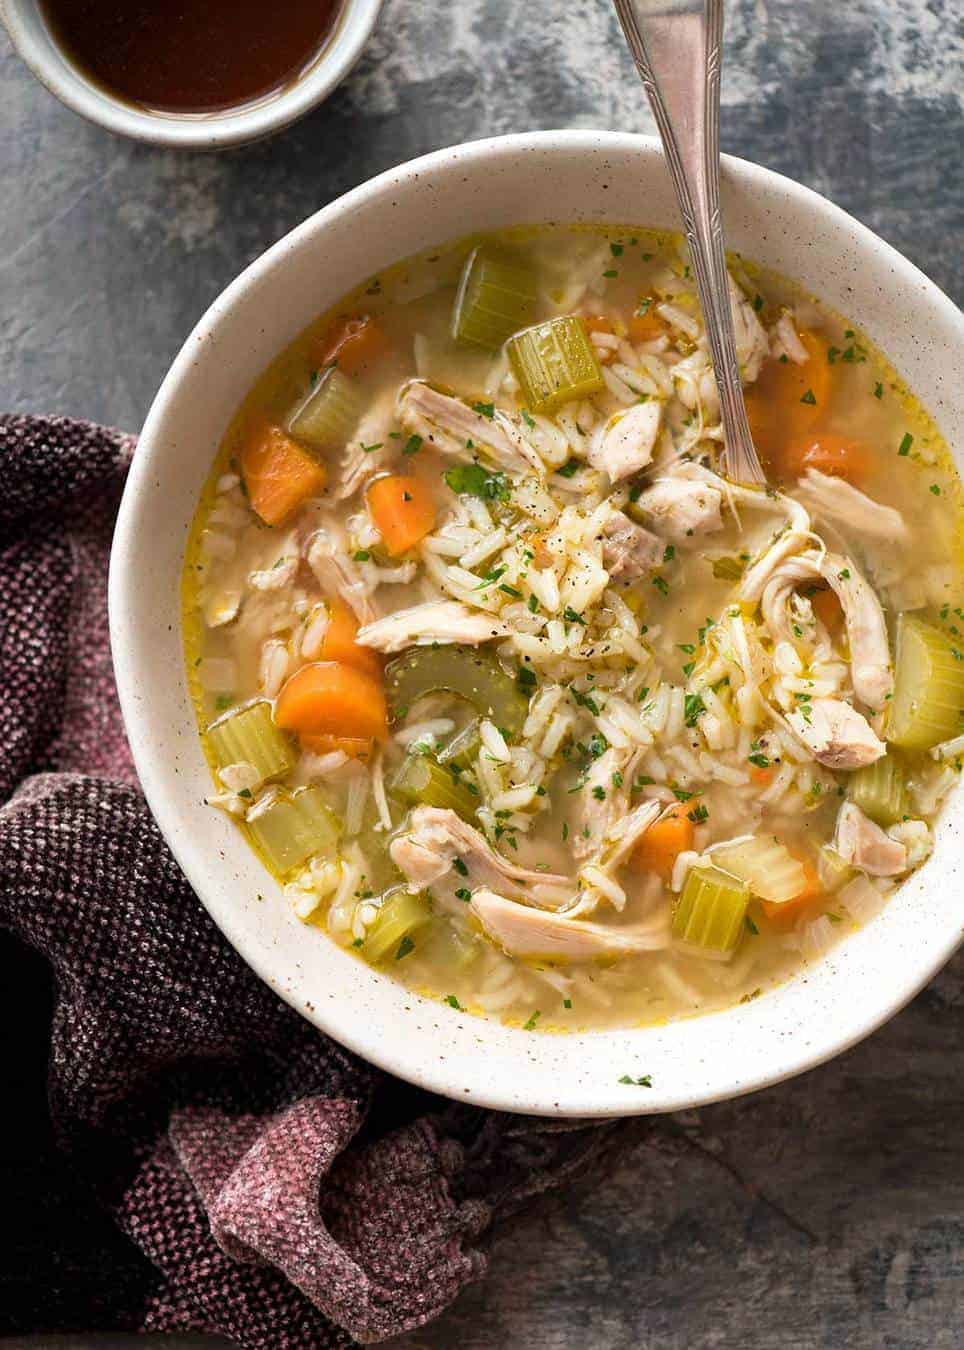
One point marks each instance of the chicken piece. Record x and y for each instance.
(836, 734)
(682, 508)
(860, 842)
(450, 425)
(852, 510)
(624, 444)
(785, 340)
(525, 932)
(426, 852)
(752, 344)
(337, 574)
(864, 619)
(629, 551)
(434, 621)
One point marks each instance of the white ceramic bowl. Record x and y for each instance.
(563, 176)
(215, 131)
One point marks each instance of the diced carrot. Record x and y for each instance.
(787, 401)
(838, 456)
(541, 555)
(352, 344)
(598, 323)
(826, 607)
(279, 474)
(402, 508)
(329, 698)
(783, 914)
(664, 841)
(355, 747)
(647, 325)
(339, 642)
(762, 777)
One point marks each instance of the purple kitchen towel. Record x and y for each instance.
(285, 1193)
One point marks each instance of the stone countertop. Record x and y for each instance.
(826, 1212)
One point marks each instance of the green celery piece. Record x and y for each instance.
(329, 414)
(928, 701)
(709, 914)
(400, 915)
(554, 363)
(879, 790)
(422, 781)
(287, 828)
(495, 298)
(248, 735)
(471, 675)
(463, 748)
(834, 872)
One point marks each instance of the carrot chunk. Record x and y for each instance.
(837, 456)
(339, 642)
(783, 914)
(646, 325)
(329, 698)
(664, 841)
(279, 474)
(402, 509)
(787, 401)
(350, 344)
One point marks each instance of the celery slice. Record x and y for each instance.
(400, 916)
(248, 735)
(463, 748)
(554, 363)
(879, 790)
(287, 828)
(474, 676)
(928, 701)
(495, 298)
(710, 911)
(330, 413)
(767, 866)
(833, 871)
(422, 781)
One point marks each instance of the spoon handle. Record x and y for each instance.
(676, 46)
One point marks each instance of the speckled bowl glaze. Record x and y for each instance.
(210, 131)
(561, 176)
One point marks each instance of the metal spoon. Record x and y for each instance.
(676, 47)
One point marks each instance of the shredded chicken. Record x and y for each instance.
(337, 574)
(453, 428)
(859, 841)
(435, 837)
(434, 621)
(624, 445)
(682, 509)
(785, 341)
(852, 510)
(629, 551)
(752, 344)
(521, 931)
(600, 802)
(367, 451)
(836, 734)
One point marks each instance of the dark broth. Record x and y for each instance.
(187, 57)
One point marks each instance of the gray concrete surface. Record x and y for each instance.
(825, 1213)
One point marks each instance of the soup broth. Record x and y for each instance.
(519, 696)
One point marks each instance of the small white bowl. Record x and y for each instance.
(208, 131)
(562, 176)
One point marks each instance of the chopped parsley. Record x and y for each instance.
(693, 706)
(906, 443)
(751, 926)
(611, 272)
(645, 1080)
(878, 390)
(405, 947)
(681, 795)
(616, 250)
(527, 417)
(935, 489)
(669, 553)
(810, 398)
(661, 586)
(531, 1024)
(570, 615)
(361, 555)
(599, 793)
(460, 867)
(453, 1002)
(484, 409)
(412, 445)
(533, 605)
(471, 480)
(567, 1002)
(463, 893)
(510, 590)
(526, 678)
(698, 814)
(568, 469)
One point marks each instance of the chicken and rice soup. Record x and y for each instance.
(521, 698)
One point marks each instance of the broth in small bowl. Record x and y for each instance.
(539, 722)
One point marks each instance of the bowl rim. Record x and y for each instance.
(60, 76)
(442, 1079)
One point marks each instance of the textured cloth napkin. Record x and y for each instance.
(285, 1193)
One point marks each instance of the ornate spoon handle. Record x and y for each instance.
(676, 47)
